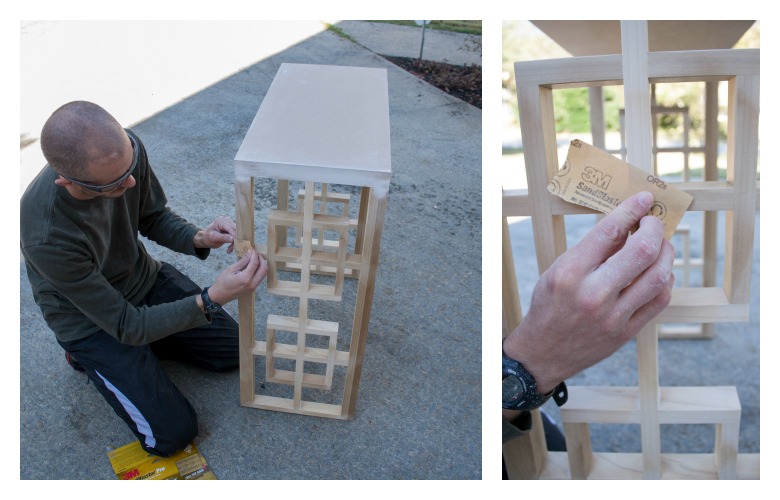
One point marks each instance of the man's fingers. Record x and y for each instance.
(651, 309)
(254, 263)
(610, 233)
(656, 280)
(241, 263)
(227, 226)
(223, 225)
(221, 238)
(639, 252)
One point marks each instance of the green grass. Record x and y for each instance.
(338, 31)
(468, 27)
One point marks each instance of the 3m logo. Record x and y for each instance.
(596, 177)
(130, 474)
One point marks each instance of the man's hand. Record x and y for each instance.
(219, 232)
(238, 279)
(596, 296)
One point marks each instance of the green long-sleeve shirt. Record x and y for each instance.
(87, 268)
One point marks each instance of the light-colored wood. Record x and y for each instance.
(326, 125)
(594, 71)
(362, 211)
(639, 141)
(707, 196)
(702, 66)
(647, 368)
(313, 354)
(697, 305)
(589, 37)
(600, 71)
(245, 231)
(726, 446)
(598, 126)
(526, 456)
(636, 91)
(675, 466)
(710, 228)
(675, 405)
(541, 152)
(303, 303)
(341, 202)
(686, 263)
(283, 204)
(375, 218)
(578, 447)
(313, 291)
(310, 408)
(272, 350)
(292, 258)
(512, 312)
(323, 260)
(741, 173)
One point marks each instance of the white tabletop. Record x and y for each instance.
(321, 123)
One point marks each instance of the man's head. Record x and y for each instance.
(88, 148)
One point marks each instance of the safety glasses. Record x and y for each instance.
(114, 184)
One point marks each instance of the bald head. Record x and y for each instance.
(78, 134)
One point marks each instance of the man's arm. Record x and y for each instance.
(595, 297)
(79, 297)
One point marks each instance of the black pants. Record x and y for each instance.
(132, 381)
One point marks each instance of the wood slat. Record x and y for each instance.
(674, 466)
(312, 354)
(676, 405)
(707, 196)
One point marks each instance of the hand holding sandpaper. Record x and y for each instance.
(595, 179)
(596, 296)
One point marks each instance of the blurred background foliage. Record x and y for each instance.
(522, 41)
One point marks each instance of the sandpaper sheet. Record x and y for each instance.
(594, 178)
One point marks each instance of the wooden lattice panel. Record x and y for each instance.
(313, 251)
(648, 404)
(273, 350)
(328, 203)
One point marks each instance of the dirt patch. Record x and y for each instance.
(463, 82)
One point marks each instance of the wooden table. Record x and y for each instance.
(327, 125)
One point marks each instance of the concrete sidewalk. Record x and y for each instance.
(191, 98)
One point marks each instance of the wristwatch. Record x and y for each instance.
(209, 305)
(518, 389)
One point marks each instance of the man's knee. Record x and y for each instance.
(173, 438)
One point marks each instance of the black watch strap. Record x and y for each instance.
(209, 305)
(519, 390)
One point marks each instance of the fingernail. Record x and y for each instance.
(646, 198)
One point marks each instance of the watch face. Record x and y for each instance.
(512, 389)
